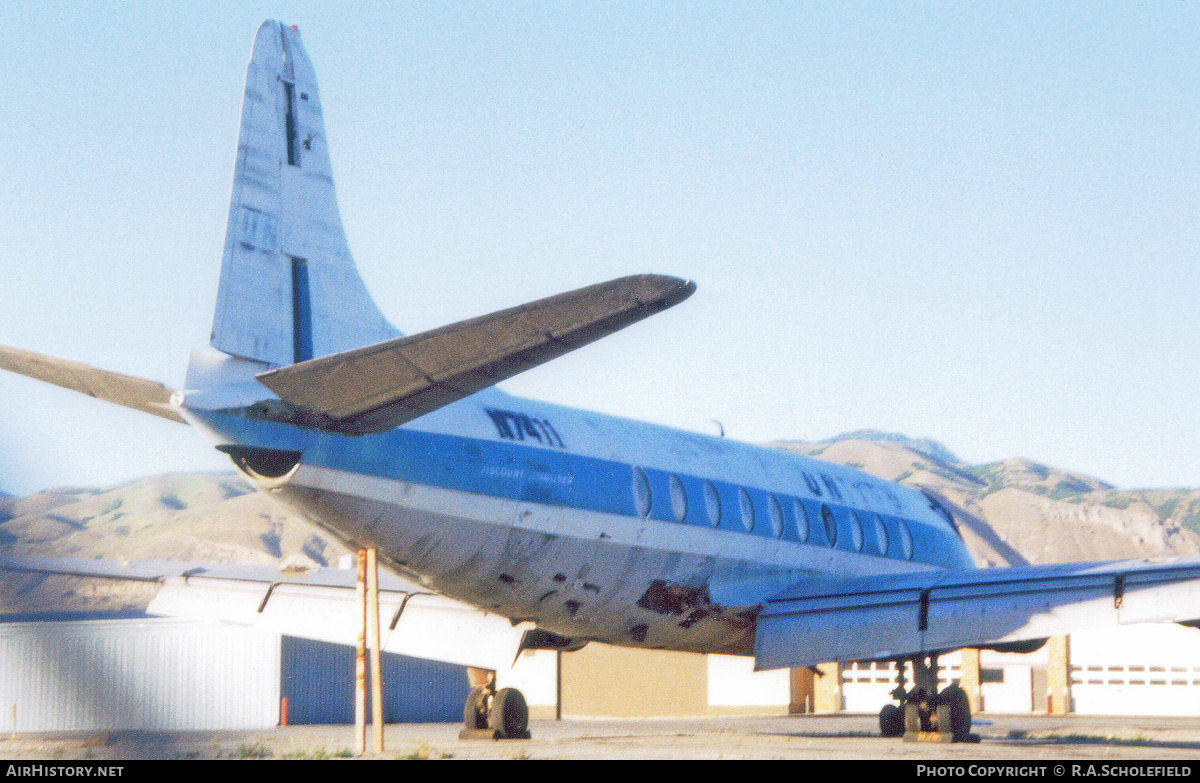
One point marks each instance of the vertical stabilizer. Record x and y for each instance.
(289, 290)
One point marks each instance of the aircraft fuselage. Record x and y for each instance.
(596, 527)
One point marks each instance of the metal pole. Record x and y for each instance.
(558, 658)
(373, 634)
(360, 664)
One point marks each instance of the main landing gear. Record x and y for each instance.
(493, 714)
(924, 714)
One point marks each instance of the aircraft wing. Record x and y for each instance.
(318, 604)
(138, 393)
(376, 388)
(884, 617)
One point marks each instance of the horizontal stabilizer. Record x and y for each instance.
(888, 617)
(376, 388)
(138, 393)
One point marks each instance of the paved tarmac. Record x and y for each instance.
(1007, 737)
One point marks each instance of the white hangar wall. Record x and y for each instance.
(1143, 669)
(152, 674)
(169, 674)
(1147, 669)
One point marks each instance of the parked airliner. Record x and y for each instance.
(562, 526)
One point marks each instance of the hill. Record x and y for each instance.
(214, 518)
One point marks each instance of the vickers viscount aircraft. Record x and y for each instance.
(514, 524)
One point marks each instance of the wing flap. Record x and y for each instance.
(878, 618)
(316, 604)
(380, 386)
(419, 624)
(163, 570)
(132, 392)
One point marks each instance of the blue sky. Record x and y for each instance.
(977, 224)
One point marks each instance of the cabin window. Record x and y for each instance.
(678, 498)
(775, 512)
(830, 525)
(747, 508)
(641, 492)
(813, 486)
(856, 532)
(906, 541)
(712, 504)
(881, 535)
(801, 520)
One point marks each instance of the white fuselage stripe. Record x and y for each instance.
(596, 525)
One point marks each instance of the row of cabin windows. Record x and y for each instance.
(881, 543)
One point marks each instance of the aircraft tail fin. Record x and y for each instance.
(289, 290)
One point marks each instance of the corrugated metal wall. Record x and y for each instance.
(167, 674)
(318, 681)
(137, 674)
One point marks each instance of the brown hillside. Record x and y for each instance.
(190, 517)
(1018, 511)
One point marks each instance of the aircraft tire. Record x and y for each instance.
(891, 721)
(474, 713)
(960, 712)
(510, 715)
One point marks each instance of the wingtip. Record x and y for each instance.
(672, 290)
(666, 289)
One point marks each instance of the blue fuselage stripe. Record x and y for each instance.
(520, 472)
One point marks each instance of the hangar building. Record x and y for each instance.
(154, 673)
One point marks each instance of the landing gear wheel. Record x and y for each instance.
(475, 710)
(510, 715)
(958, 713)
(891, 721)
